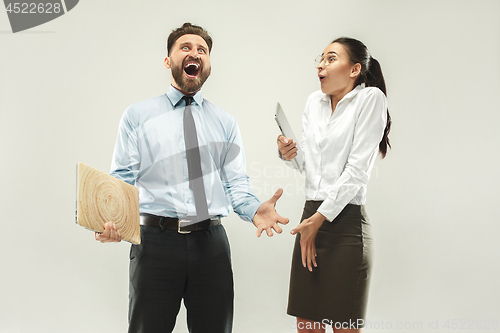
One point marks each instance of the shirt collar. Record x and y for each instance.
(350, 95)
(175, 96)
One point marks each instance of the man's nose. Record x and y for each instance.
(194, 53)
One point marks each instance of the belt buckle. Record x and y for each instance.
(179, 222)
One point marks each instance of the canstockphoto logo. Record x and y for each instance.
(28, 14)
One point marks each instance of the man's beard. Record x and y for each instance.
(189, 85)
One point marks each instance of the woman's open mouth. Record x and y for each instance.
(192, 69)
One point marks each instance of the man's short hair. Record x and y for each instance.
(188, 29)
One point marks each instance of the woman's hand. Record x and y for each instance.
(308, 230)
(287, 147)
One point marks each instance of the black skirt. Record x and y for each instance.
(337, 290)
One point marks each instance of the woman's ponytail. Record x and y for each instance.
(371, 75)
(375, 78)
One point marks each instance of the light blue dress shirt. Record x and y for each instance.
(150, 154)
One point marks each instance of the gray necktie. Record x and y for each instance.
(194, 164)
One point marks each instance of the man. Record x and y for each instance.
(185, 156)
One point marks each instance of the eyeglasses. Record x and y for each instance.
(328, 59)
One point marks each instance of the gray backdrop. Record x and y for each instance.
(65, 84)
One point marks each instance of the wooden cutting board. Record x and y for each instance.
(103, 198)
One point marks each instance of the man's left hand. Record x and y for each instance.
(266, 217)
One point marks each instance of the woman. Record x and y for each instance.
(344, 126)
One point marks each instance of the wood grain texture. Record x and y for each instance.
(103, 198)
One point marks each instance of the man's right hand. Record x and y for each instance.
(109, 235)
(287, 147)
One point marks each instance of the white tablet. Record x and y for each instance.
(286, 130)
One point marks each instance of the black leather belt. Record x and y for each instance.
(183, 225)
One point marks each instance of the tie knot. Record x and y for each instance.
(188, 99)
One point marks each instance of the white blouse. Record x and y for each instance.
(340, 148)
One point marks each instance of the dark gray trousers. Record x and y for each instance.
(167, 267)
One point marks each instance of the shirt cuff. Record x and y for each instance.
(250, 210)
(329, 209)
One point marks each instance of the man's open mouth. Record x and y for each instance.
(192, 69)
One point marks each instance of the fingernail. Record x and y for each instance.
(286, 141)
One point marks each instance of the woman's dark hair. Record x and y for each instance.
(188, 29)
(371, 76)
